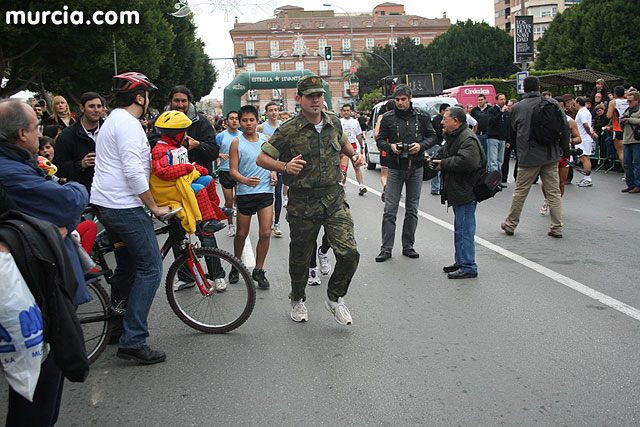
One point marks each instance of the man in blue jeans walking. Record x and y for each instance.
(462, 160)
(497, 133)
(120, 190)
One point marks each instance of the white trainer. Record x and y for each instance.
(314, 279)
(276, 229)
(219, 285)
(299, 311)
(340, 311)
(544, 209)
(585, 183)
(285, 201)
(323, 260)
(182, 284)
(231, 231)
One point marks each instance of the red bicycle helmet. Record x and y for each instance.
(131, 82)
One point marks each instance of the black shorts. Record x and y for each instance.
(249, 204)
(617, 135)
(383, 159)
(226, 181)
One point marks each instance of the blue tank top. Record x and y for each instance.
(268, 129)
(248, 153)
(224, 141)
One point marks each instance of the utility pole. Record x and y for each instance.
(393, 46)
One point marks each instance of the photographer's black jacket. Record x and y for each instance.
(412, 125)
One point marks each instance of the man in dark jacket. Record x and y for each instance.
(405, 134)
(462, 160)
(481, 114)
(75, 154)
(534, 159)
(497, 133)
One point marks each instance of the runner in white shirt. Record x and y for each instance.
(583, 120)
(352, 129)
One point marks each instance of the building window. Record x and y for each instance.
(321, 45)
(415, 22)
(346, 45)
(275, 66)
(347, 86)
(369, 43)
(251, 67)
(275, 48)
(250, 49)
(324, 68)
(416, 40)
(393, 41)
(275, 94)
(368, 24)
(252, 95)
(273, 25)
(299, 66)
(345, 24)
(296, 25)
(346, 65)
(321, 24)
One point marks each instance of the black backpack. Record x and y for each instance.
(548, 125)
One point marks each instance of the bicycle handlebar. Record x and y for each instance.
(169, 215)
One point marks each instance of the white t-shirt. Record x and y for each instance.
(471, 121)
(584, 116)
(123, 162)
(352, 129)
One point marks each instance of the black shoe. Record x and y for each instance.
(143, 355)
(383, 256)
(260, 278)
(503, 185)
(234, 275)
(450, 268)
(459, 274)
(411, 253)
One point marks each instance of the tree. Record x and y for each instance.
(370, 99)
(408, 58)
(596, 34)
(470, 50)
(72, 59)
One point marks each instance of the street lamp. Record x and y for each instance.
(393, 45)
(350, 25)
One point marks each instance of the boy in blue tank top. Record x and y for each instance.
(224, 140)
(268, 128)
(254, 191)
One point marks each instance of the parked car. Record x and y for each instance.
(429, 104)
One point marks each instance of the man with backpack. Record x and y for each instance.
(542, 135)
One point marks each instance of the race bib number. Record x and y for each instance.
(179, 156)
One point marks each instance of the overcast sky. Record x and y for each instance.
(213, 28)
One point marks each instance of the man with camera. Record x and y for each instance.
(405, 134)
(462, 160)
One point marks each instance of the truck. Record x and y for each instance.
(468, 94)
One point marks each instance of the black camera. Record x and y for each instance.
(404, 148)
(435, 156)
(575, 152)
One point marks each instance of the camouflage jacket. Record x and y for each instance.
(321, 151)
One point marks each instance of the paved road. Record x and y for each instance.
(519, 345)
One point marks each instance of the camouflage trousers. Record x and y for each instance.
(307, 211)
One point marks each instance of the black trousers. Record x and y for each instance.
(43, 411)
(324, 248)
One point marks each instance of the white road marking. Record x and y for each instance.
(633, 209)
(555, 276)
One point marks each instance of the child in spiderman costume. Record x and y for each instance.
(170, 160)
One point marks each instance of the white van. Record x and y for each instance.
(429, 104)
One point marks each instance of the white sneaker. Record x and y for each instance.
(219, 285)
(231, 231)
(323, 260)
(181, 284)
(285, 201)
(340, 311)
(585, 183)
(545, 207)
(362, 190)
(235, 211)
(298, 311)
(313, 279)
(276, 229)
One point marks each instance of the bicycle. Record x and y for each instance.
(199, 306)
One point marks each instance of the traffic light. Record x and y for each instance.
(240, 60)
(327, 53)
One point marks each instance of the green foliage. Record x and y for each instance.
(72, 59)
(500, 85)
(597, 34)
(370, 100)
(468, 50)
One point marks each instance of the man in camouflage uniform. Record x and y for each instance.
(306, 150)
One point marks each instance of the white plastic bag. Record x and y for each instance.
(21, 333)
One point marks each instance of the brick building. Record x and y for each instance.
(294, 39)
(543, 12)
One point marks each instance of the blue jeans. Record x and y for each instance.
(464, 227)
(483, 142)
(495, 154)
(138, 271)
(632, 165)
(395, 181)
(435, 181)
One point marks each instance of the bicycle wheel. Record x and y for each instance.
(95, 320)
(214, 312)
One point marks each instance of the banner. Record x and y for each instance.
(523, 39)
